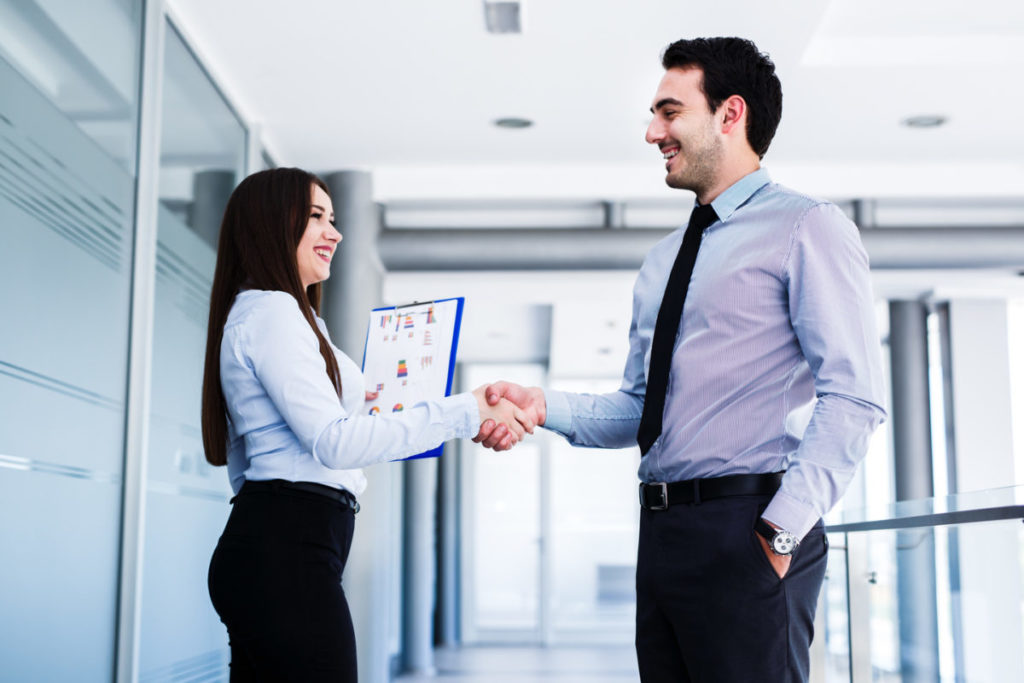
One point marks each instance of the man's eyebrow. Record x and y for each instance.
(664, 102)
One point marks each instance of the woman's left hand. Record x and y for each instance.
(372, 395)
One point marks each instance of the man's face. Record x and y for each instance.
(685, 131)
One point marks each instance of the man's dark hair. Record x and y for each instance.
(734, 66)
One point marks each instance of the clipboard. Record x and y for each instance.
(409, 355)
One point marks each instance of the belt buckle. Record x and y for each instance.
(662, 504)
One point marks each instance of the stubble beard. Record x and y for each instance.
(702, 165)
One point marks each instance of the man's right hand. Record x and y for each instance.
(529, 399)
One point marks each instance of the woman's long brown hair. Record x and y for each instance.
(265, 218)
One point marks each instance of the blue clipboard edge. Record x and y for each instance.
(460, 304)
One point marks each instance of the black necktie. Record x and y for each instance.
(667, 327)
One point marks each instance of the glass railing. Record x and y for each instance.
(925, 590)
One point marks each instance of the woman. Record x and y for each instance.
(282, 408)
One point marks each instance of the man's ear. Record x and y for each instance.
(732, 113)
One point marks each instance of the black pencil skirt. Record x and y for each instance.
(275, 581)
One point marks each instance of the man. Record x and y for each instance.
(778, 312)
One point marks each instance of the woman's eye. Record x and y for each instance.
(317, 216)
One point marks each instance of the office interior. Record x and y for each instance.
(491, 150)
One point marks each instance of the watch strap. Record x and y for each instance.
(766, 530)
(770, 533)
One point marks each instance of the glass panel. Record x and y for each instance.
(972, 614)
(202, 151)
(202, 154)
(835, 615)
(986, 600)
(266, 161)
(84, 59)
(594, 531)
(502, 527)
(68, 74)
(1015, 325)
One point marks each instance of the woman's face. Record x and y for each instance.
(316, 248)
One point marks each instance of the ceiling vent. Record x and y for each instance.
(504, 17)
(924, 121)
(513, 122)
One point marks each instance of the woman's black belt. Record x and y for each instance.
(340, 495)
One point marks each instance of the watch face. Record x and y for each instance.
(783, 543)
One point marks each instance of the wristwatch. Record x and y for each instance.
(780, 541)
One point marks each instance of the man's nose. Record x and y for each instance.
(655, 132)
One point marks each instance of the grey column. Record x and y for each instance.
(447, 618)
(418, 569)
(357, 274)
(210, 193)
(355, 287)
(912, 453)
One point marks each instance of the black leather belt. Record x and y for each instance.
(659, 495)
(339, 495)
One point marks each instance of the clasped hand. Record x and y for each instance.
(507, 412)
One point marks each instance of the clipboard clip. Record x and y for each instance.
(415, 303)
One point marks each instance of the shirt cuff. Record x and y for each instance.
(559, 414)
(791, 514)
(461, 415)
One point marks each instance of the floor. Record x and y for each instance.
(514, 664)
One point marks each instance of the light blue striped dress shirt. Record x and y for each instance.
(779, 316)
(286, 419)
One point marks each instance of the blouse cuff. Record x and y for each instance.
(461, 415)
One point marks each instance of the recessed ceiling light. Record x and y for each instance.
(513, 122)
(924, 121)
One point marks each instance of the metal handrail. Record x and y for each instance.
(936, 519)
(965, 508)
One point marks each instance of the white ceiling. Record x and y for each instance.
(408, 90)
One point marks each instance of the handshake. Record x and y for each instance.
(507, 412)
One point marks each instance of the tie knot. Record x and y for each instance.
(703, 215)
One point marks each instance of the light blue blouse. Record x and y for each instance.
(286, 421)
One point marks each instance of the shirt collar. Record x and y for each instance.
(739, 192)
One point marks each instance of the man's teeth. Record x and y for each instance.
(670, 154)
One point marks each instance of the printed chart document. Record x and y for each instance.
(410, 355)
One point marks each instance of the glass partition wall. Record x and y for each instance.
(70, 178)
(69, 107)
(202, 158)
